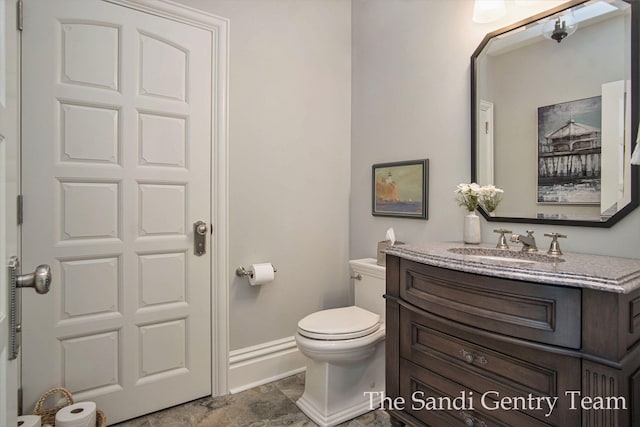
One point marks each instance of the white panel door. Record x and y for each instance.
(9, 134)
(484, 175)
(116, 169)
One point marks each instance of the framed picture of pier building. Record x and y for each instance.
(569, 152)
(400, 189)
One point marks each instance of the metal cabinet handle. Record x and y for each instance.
(470, 420)
(470, 357)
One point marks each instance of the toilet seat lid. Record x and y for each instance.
(339, 324)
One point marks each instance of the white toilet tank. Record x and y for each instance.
(370, 288)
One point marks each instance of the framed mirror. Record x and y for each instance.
(555, 110)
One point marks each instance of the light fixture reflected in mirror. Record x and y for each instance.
(485, 11)
(528, 3)
(560, 28)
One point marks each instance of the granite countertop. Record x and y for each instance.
(611, 274)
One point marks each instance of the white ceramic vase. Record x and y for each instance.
(471, 232)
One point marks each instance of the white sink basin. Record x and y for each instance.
(505, 255)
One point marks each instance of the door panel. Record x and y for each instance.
(116, 168)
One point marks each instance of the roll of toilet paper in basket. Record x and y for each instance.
(29, 421)
(261, 273)
(81, 414)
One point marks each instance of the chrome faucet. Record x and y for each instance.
(554, 249)
(528, 241)
(502, 241)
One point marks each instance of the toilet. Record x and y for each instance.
(345, 348)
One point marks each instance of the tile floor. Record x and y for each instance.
(269, 405)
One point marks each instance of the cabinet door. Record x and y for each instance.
(438, 401)
(517, 374)
(531, 311)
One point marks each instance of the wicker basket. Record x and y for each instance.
(48, 416)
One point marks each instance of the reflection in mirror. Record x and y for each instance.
(554, 114)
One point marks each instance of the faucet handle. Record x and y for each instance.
(530, 233)
(554, 248)
(502, 230)
(502, 240)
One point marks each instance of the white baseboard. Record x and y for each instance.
(263, 363)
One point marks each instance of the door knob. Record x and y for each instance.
(201, 228)
(40, 279)
(199, 237)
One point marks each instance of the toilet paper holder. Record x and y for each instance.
(241, 271)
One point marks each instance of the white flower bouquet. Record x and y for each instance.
(490, 197)
(473, 195)
(468, 195)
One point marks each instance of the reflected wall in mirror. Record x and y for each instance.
(555, 113)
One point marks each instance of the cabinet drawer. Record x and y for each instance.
(542, 313)
(438, 401)
(505, 370)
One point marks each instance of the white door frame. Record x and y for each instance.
(219, 27)
(9, 188)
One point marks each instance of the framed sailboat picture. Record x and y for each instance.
(400, 189)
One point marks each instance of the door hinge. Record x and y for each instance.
(20, 212)
(20, 14)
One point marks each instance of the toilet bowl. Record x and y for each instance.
(349, 335)
(345, 351)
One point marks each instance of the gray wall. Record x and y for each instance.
(410, 101)
(411, 94)
(289, 145)
(319, 91)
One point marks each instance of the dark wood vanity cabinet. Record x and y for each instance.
(471, 350)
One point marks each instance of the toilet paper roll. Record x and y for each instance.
(29, 421)
(81, 414)
(261, 273)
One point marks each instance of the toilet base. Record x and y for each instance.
(338, 417)
(335, 393)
